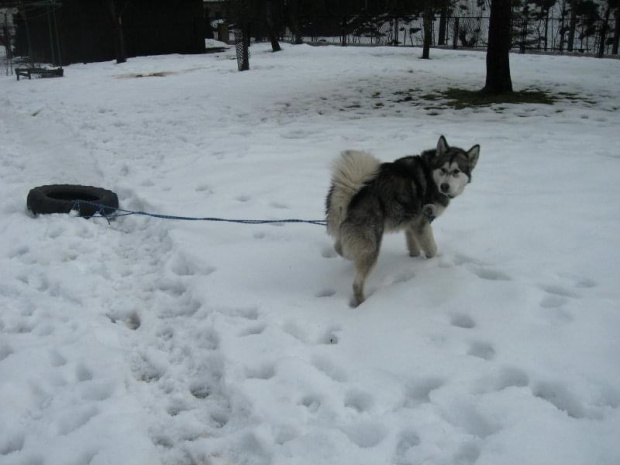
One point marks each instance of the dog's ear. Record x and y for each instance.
(472, 155)
(442, 146)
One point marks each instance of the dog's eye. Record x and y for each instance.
(444, 171)
(456, 172)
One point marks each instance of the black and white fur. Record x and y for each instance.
(368, 198)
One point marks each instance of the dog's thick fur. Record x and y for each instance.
(368, 198)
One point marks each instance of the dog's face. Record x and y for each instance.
(452, 167)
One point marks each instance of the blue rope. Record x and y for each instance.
(119, 212)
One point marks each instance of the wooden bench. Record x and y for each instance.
(41, 72)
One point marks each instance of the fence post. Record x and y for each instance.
(455, 38)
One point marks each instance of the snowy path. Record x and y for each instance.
(145, 342)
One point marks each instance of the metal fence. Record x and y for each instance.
(529, 35)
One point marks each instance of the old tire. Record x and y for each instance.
(61, 198)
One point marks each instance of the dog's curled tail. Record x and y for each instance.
(349, 173)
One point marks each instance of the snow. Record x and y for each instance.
(147, 341)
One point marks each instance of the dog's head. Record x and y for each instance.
(452, 167)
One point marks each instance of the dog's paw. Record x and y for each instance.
(430, 210)
(431, 251)
(355, 301)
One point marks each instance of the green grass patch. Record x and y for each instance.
(461, 98)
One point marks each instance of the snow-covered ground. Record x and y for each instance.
(146, 341)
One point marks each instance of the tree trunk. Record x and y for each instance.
(292, 13)
(271, 30)
(273, 38)
(119, 41)
(119, 36)
(498, 79)
(428, 28)
(243, 59)
(614, 47)
(395, 40)
(604, 28)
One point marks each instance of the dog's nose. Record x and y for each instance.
(445, 187)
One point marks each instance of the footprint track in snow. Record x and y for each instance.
(12, 443)
(419, 391)
(462, 320)
(5, 351)
(491, 274)
(500, 379)
(407, 441)
(326, 366)
(358, 400)
(399, 278)
(183, 267)
(279, 205)
(311, 402)
(96, 391)
(477, 267)
(131, 319)
(366, 434)
(75, 419)
(559, 291)
(467, 454)
(556, 297)
(564, 399)
(83, 373)
(481, 349)
(327, 292)
(331, 336)
(204, 188)
(465, 415)
(553, 301)
(254, 330)
(263, 372)
(57, 360)
(577, 282)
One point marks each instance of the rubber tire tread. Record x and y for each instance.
(60, 198)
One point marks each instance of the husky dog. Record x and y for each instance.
(367, 198)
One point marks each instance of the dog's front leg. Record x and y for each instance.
(412, 242)
(427, 240)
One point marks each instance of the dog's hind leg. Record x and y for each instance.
(338, 247)
(363, 267)
(361, 242)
